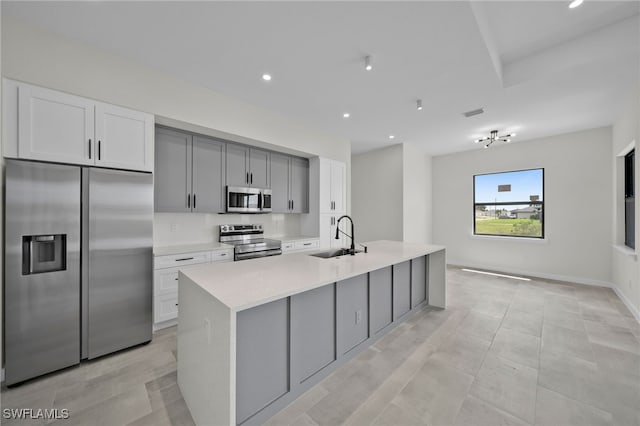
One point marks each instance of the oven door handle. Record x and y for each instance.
(256, 254)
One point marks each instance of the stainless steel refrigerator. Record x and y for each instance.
(78, 265)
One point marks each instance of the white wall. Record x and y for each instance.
(625, 272)
(416, 189)
(376, 187)
(577, 245)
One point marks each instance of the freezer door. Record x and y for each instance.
(42, 269)
(120, 270)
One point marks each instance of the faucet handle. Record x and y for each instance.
(366, 249)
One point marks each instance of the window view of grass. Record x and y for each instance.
(509, 227)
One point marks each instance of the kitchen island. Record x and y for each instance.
(254, 335)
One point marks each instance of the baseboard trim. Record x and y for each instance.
(635, 312)
(554, 277)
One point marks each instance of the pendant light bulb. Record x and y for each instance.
(575, 3)
(367, 63)
(419, 104)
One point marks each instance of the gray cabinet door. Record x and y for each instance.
(259, 168)
(299, 185)
(418, 281)
(172, 176)
(352, 312)
(380, 299)
(313, 334)
(237, 165)
(401, 289)
(280, 201)
(262, 357)
(208, 175)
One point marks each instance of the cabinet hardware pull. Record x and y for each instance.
(306, 244)
(291, 204)
(223, 254)
(175, 279)
(247, 180)
(251, 174)
(188, 201)
(98, 149)
(194, 201)
(184, 258)
(89, 149)
(176, 304)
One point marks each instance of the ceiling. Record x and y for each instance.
(537, 68)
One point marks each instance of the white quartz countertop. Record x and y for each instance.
(189, 248)
(245, 284)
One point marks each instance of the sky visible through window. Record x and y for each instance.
(524, 184)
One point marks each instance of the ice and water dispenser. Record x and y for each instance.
(44, 253)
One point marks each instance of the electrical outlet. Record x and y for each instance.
(358, 316)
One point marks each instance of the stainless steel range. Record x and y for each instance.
(249, 241)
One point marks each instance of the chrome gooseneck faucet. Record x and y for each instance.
(352, 250)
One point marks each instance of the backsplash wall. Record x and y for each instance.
(194, 228)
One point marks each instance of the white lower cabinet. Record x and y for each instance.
(165, 281)
(296, 246)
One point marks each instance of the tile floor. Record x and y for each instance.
(504, 352)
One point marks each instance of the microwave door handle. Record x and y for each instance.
(260, 201)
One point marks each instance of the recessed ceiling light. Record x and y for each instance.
(575, 3)
(266, 77)
(346, 115)
(391, 137)
(367, 63)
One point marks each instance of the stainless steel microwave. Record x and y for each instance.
(248, 200)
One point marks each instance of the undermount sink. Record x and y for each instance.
(334, 253)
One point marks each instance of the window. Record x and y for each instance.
(629, 200)
(509, 204)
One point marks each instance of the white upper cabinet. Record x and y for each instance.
(333, 182)
(54, 126)
(124, 137)
(47, 125)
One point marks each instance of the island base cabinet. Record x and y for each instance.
(262, 357)
(401, 289)
(352, 312)
(313, 332)
(418, 281)
(380, 300)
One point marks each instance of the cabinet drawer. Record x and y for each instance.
(165, 307)
(288, 246)
(307, 244)
(222, 255)
(182, 259)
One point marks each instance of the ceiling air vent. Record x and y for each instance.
(474, 112)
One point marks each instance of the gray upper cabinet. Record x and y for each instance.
(247, 166)
(172, 177)
(289, 183)
(299, 185)
(189, 173)
(207, 175)
(280, 201)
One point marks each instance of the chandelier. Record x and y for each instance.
(493, 137)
